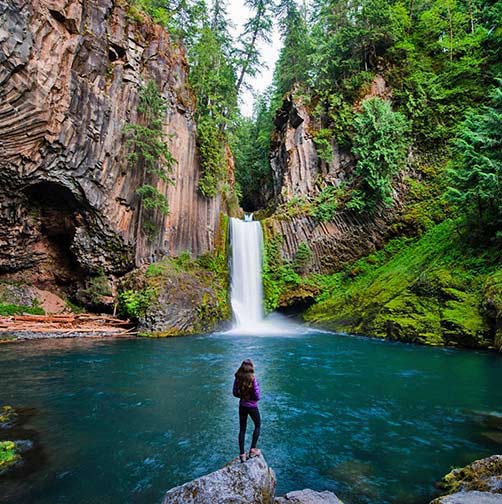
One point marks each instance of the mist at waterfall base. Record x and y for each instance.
(246, 290)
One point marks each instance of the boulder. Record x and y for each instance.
(469, 498)
(250, 483)
(308, 496)
(477, 483)
(177, 296)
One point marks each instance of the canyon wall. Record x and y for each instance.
(299, 172)
(70, 77)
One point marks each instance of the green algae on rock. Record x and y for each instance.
(9, 456)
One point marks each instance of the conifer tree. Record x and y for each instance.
(257, 29)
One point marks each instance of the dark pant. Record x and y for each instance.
(254, 413)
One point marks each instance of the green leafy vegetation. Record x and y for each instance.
(476, 171)
(8, 454)
(13, 309)
(96, 288)
(322, 139)
(302, 259)
(380, 147)
(136, 303)
(327, 202)
(152, 198)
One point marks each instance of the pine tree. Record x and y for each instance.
(257, 29)
(476, 172)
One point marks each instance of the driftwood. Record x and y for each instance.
(67, 323)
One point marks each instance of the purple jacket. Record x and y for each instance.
(249, 403)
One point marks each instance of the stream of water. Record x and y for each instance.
(246, 287)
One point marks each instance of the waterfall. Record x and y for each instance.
(246, 287)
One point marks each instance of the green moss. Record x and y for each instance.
(8, 455)
(428, 290)
(477, 476)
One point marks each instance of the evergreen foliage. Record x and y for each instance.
(250, 145)
(257, 29)
(302, 258)
(476, 171)
(150, 152)
(380, 147)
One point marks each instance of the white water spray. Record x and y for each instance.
(246, 287)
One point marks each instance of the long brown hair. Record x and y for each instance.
(244, 378)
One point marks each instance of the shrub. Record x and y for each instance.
(135, 304)
(380, 145)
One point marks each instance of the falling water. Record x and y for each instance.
(246, 288)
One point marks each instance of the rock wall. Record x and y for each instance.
(297, 172)
(70, 75)
(296, 167)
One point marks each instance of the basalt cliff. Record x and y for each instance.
(299, 172)
(70, 78)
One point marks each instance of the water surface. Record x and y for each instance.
(125, 420)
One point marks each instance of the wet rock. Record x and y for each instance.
(250, 483)
(308, 496)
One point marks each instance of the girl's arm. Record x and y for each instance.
(235, 392)
(256, 388)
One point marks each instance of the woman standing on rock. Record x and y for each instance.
(246, 387)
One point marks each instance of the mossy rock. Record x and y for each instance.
(9, 456)
(484, 475)
(492, 306)
(409, 317)
(428, 291)
(178, 295)
(8, 416)
(461, 321)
